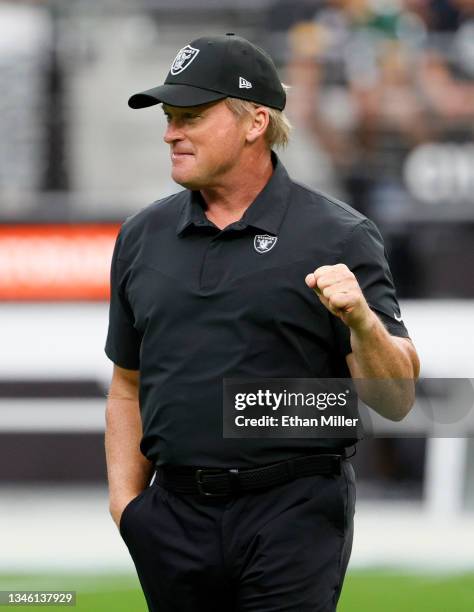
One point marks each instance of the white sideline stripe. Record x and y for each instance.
(69, 529)
(59, 528)
(57, 341)
(72, 414)
(54, 341)
(52, 415)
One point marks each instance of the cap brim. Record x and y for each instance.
(174, 95)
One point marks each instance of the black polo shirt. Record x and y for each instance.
(192, 304)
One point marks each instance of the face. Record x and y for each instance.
(206, 143)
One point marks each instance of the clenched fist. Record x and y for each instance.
(338, 289)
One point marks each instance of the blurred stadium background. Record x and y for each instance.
(382, 103)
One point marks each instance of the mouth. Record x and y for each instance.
(175, 156)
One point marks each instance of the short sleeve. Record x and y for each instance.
(364, 254)
(123, 340)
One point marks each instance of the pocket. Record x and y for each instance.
(329, 498)
(334, 497)
(346, 496)
(126, 510)
(350, 497)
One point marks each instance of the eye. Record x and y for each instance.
(186, 117)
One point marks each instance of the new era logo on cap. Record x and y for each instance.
(244, 84)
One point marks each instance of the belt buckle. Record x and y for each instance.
(199, 482)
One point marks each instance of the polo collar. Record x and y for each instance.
(265, 213)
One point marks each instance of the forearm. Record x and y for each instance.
(377, 355)
(128, 471)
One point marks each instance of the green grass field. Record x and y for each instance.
(364, 591)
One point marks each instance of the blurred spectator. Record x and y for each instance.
(372, 82)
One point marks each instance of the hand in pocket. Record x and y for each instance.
(117, 508)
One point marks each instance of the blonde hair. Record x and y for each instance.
(277, 133)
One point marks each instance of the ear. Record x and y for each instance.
(258, 124)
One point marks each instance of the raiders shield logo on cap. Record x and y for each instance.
(185, 56)
(264, 243)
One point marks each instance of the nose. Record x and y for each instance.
(172, 133)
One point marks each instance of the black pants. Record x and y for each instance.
(285, 549)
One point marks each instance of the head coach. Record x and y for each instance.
(243, 274)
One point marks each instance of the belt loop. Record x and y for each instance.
(337, 464)
(234, 480)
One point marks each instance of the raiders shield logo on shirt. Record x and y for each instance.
(185, 56)
(264, 243)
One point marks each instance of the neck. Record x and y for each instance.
(227, 202)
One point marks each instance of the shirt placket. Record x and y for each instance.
(214, 260)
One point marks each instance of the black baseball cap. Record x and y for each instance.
(216, 67)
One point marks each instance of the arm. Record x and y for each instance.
(375, 353)
(378, 355)
(128, 471)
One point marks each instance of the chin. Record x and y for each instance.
(186, 181)
(187, 184)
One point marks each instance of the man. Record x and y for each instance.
(210, 284)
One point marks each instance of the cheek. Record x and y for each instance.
(226, 143)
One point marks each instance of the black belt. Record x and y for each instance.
(221, 482)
